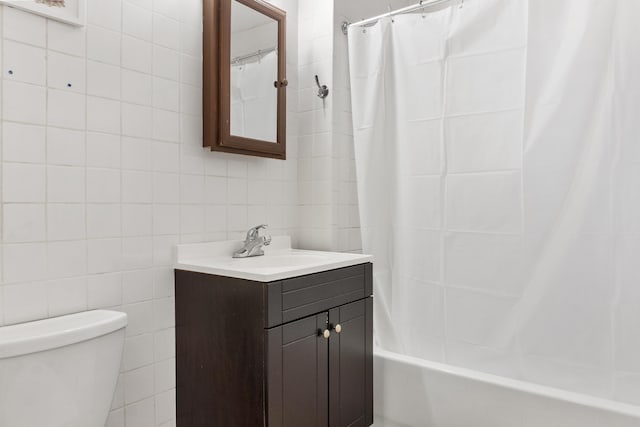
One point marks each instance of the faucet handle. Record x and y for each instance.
(254, 231)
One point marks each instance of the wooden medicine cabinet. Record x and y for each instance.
(244, 78)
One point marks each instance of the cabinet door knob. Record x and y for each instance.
(326, 333)
(338, 328)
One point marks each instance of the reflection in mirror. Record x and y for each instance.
(254, 69)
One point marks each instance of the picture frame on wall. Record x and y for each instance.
(72, 12)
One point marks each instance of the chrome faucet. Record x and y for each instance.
(253, 243)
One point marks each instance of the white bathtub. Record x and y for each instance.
(418, 393)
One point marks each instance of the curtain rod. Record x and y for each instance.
(408, 9)
(258, 52)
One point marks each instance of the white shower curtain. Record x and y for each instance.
(254, 100)
(498, 163)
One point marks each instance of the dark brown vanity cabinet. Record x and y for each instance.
(293, 353)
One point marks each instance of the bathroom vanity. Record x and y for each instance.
(284, 339)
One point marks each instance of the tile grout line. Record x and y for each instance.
(2, 230)
(46, 164)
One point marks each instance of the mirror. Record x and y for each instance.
(254, 68)
(245, 112)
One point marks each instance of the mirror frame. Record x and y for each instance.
(216, 81)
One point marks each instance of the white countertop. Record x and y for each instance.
(279, 262)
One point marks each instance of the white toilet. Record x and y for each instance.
(60, 372)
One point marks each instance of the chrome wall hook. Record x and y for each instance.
(323, 91)
(345, 27)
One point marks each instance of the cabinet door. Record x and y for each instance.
(351, 365)
(297, 376)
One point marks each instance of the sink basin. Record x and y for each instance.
(279, 262)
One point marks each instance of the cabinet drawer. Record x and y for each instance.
(306, 295)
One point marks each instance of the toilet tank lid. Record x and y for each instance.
(47, 334)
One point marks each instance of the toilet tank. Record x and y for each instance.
(62, 371)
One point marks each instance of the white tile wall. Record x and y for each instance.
(65, 147)
(23, 143)
(315, 56)
(103, 172)
(22, 102)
